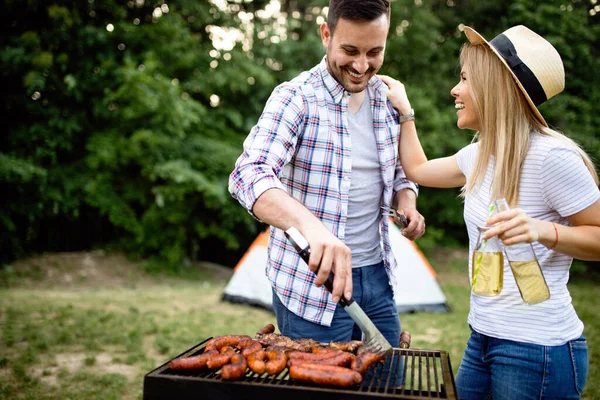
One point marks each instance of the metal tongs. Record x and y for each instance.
(390, 211)
(373, 340)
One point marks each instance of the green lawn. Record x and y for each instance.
(90, 326)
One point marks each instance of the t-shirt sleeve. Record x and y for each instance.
(567, 185)
(466, 157)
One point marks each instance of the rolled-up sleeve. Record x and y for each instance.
(402, 182)
(268, 148)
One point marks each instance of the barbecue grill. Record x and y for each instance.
(426, 374)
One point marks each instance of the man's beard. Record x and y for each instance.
(338, 75)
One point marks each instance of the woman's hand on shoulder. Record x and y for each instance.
(397, 94)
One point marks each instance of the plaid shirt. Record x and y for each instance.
(301, 144)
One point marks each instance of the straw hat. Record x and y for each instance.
(532, 60)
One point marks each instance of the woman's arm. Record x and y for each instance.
(568, 188)
(441, 172)
(581, 241)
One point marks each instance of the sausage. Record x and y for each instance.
(342, 359)
(364, 360)
(194, 362)
(313, 356)
(256, 362)
(324, 350)
(249, 346)
(269, 328)
(221, 359)
(236, 369)
(228, 340)
(405, 340)
(325, 375)
(277, 361)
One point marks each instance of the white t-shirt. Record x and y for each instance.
(366, 189)
(555, 184)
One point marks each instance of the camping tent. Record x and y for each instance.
(417, 287)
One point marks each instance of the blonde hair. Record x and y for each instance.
(506, 121)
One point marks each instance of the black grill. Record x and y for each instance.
(426, 374)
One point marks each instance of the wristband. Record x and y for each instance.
(556, 237)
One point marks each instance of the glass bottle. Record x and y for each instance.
(525, 267)
(487, 267)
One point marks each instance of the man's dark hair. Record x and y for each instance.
(356, 10)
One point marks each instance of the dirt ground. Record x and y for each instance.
(97, 269)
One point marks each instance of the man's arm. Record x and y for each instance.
(270, 145)
(254, 182)
(327, 252)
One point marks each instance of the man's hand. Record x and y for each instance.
(416, 226)
(406, 204)
(328, 253)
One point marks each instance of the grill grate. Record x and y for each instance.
(425, 374)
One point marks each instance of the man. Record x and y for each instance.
(323, 158)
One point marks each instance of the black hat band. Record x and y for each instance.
(534, 89)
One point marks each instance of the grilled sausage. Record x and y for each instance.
(228, 340)
(313, 356)
(269, 328)
(256, 362)
(364, 360)
(221, 359)
(194, 362)
(248, 347)
(342, 359)
(236, 369)
(277, 361)
(405, 340)
(324, 350)
(325, 375)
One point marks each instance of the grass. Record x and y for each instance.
(89, 326)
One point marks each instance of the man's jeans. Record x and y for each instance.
(505, 369)
(372, 292)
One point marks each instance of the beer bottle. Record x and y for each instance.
(525, 267)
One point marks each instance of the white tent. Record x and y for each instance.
(417, 288)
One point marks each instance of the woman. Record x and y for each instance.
(516, 350)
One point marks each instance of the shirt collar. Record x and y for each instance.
(337, 90)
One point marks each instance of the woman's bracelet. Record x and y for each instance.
(556, 237)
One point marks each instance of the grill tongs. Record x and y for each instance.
(373, 340)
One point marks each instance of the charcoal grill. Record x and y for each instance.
(426, 374)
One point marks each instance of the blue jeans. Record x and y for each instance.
(504, 369)
(372, 292)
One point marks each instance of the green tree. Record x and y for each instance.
(124, 119)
